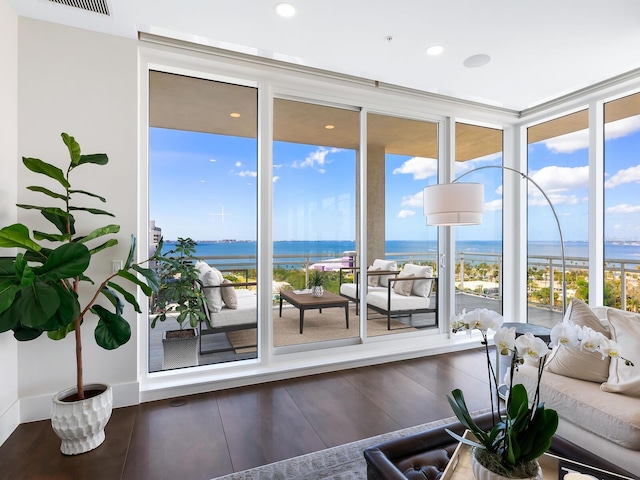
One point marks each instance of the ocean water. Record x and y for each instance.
(336, 249)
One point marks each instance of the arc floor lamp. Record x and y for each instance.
(452, 204)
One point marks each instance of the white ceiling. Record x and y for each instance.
(540, 49)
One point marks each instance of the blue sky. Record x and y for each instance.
(204, 186)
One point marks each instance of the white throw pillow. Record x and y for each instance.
(573, 362)
(373, 280)
(421, 288)
(403, 287)
(625, 331)
(210, 277)
(386, 265)
(229, 296)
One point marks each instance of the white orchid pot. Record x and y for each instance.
(480, 472)
(80, 424)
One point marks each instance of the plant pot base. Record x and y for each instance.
(80, 424)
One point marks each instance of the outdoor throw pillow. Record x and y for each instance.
(387, 265)
(574, 362)
(229, 296)
(625, 331)
(373, 280)
(403, 287)
(421, 288)
(210, 277)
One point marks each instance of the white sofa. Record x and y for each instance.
(604, 422)
(394, 293)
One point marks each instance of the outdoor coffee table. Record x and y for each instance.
(306, 301)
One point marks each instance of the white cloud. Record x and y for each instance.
(316, 159)
(577, 140)
(248, 173)
(212, 159)
(493, 205)
(419, 167)
(276, 178)
(414, 201)
(628, 175)
(560, 179)
(405, 213)
(624, 208)
(238, 164)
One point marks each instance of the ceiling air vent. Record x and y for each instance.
(97, 6)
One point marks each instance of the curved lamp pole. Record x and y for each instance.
(454, 203)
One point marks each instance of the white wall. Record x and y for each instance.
(85, 84)
(9, 405)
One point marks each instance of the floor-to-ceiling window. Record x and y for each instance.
(315, 157)
(202, 186)
(402, 158)
(622, 203)
(558, 161)
(478, 248)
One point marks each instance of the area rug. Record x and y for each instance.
(344, 462)
(318, 327)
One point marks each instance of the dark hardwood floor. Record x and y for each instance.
(217, 433)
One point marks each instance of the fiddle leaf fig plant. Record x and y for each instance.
(39, 286)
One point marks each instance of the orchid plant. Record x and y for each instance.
(520, 433)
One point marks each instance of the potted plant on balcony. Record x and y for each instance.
(39, 291)
(179, 299)
(317, 281)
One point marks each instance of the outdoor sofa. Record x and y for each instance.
(392, 292)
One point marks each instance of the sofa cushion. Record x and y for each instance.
(403, 287)
(421, 288)
(625, 331)
(574, 362)
(388, 265)
(229, 297)
(379, 299)
(614, 417)
(373, 280)
(210, 277)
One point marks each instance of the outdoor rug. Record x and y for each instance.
(328, 325)
(344, 462)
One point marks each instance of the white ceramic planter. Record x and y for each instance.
(317, 291)
(482, 473)
(80, 424)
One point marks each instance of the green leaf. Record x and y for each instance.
(95, 211)
(23, 334)
(132, 278)
(67, 261)
(150, 275)
(459, 407)
(38, 166)
(100, 232)
(8, 291)
(62, 331)
(95, 158)
(131, 299)
(48, 192)
(113, 298)
(132, 253)
(36, 304)
(89, 194)
(109, 243)
(17, 236)
(60, 218)
(112, 330)
(52, 237)
(8, 321)
(74, 148)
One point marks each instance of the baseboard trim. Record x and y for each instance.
(9, 421)
(39, 407)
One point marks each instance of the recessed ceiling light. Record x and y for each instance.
(435, 50)
(234, 115)
(475, 61)
(285, 9)
(329, 127)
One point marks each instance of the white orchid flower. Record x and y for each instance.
(565, 334)
(457, 321)
(484, 319)
(505, 340)
(531, 347)
(609, 348)
(590, 340)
